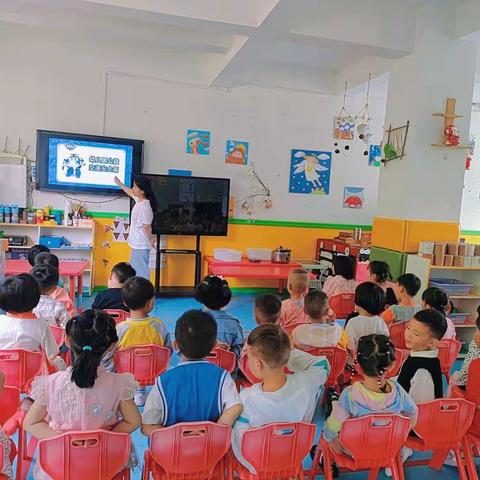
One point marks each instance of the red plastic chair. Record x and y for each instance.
(92, 455)
(275, 451)
(145, 362)
(245, 369)
(223, 358)
(374, 442)
(400, 357)
(397, 334)
(187, 451)
(9, 419)
(337, 358)
(118, 315)
(448, 351)
(342, 304)
(58, 334)
(20, 367)
(441, 426)
(291, 327)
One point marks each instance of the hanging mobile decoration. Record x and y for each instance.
(344, 122)
(258, 189)
(362, 119)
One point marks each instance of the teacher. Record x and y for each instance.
(140, 239)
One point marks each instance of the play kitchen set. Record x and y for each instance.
(454, 267)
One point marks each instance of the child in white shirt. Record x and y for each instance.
(279, 397)
(20, 328)
(369, 303)
(54, 311)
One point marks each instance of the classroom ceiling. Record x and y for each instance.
(294, 44)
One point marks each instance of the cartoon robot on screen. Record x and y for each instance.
(73, 165)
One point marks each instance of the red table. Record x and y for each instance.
(68, 269)
(247, 269)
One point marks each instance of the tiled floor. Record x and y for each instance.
(241, 307)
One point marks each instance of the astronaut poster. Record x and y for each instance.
(310, 172)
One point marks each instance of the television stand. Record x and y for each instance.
(176, 291)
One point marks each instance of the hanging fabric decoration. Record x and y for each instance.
(362, 119)
(344, 123)
(258, 190)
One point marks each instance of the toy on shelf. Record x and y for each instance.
(451, 136)
(394, 141)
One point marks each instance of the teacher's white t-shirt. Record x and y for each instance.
(141, 215)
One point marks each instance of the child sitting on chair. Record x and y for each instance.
(278, 397)
(139, 296)
(111, 298)
(267, 309)
(19, 327)
(343, 278)
(59, 293)
(320, 332)
(380, 274)
(293, 312)
(35, 250)
(54, 311)
(369, 303)
(421, 373)
(374, 394)
(407, 287)
(195, 390)
(215, 294)
(85, 396)
(437, 298)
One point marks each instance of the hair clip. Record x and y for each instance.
(86, 348)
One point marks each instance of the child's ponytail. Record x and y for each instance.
(90, 334)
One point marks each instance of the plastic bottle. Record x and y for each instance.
(39, 216)
(15, 214)
(46, 212)
(7, 214)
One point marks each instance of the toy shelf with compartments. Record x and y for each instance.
(462, 302)
(81, 237)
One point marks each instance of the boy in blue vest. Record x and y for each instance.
(195, 390)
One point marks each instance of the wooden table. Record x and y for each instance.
(248, 269)
(68, 269)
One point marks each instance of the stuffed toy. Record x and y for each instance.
(452, 136)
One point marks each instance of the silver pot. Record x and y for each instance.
(281, 255)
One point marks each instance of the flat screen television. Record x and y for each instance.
(190, 205)
(77, 163)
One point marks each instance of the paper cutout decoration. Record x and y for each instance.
(353, 197)
(108, 228)
(198, 142)
(344, 128)
(471, 144)
(374, 156)
(106, 244)
(236, 152)
(105, 262)
(121, 229)
(180, 173)
(310, 172)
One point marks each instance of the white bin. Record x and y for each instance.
(227, 255)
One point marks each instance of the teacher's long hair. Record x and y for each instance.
(144, 184)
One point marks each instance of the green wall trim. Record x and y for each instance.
(470, 232)
(253, 290)
(266, 223)
(287, 223)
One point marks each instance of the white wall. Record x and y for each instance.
(57, 82)
(470, 215)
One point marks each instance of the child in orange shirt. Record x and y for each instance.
(293, 313)
(407, 287)
(320, 333)
(59, 294)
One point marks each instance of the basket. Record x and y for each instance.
(259, 254)
(459, 317)
(227, 255)
(451, 285)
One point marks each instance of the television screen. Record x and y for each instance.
(73, 162)
(190, 205)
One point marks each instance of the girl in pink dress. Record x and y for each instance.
(343, 280)
(85, 396)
